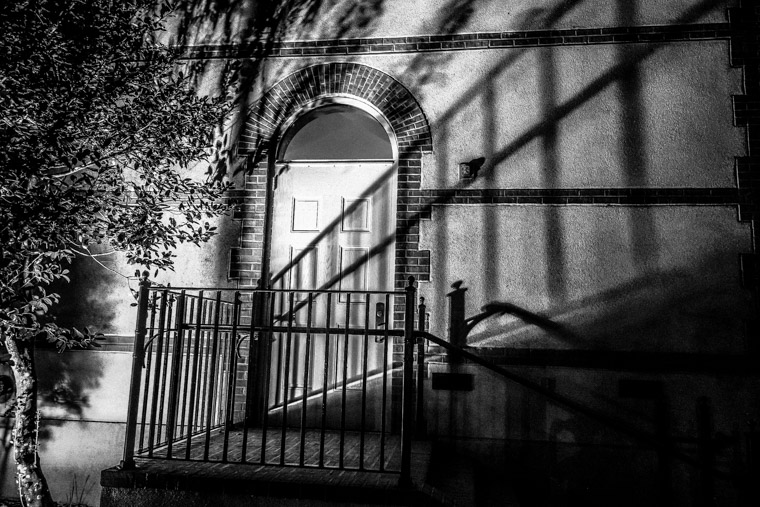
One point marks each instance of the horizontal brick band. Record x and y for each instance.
(593, 196)
(467, 41)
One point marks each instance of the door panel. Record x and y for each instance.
(333, 228)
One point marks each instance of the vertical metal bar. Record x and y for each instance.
(385, 383)
(420, 413)
(212, 375)
(221, 400)
(306, 365)
(286, 379)
(220, 377)
(156, 374)
(325, 374)
(345, 384)
(278, 396)
(191, 310)
(165, 368)
(255, 312)
(206, 355)
(128, 461)
(199, 318)
(174, 376)
(146, 390)
(365, 353)
(267, 378)
(407, 411)
(231, 372)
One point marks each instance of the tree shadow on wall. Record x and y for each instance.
(90, 300)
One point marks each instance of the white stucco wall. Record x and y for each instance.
(393, 18)
(83, 406)
(616, 278)
(570, 117)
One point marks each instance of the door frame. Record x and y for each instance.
(274, 164)
(256, 381)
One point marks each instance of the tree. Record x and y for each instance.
(100, 130)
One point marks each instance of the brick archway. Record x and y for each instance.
(264, 125)
(293, 93)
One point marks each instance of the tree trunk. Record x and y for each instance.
(32, 486)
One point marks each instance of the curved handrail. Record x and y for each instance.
(617, 425)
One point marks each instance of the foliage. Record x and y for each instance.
(100, 131)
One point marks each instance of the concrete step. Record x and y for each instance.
(187, 483)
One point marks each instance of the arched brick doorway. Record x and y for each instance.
(275, 111)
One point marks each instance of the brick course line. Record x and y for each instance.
(586, 196)
(467, 41)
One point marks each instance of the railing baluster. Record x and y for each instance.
(306, 365)
(146, 391)
(185, 382)
(407, 409)
(174, 374)
(325, 374)
(286, 380)
(199, 318)
(157, 375)
(268, 377)
(385, 383)
(220, 367)
(165, 369)
(278, 395)
(128, 461)
(231, 372)
(420, 413)
(249, 384)
(203, 390)
(345, 384)
(212, 375)
(365, 355)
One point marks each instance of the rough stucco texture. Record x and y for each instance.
(602, 116)
(83, 402)
(643, 115)
(71, 451)
(390, 18)
(615, 278)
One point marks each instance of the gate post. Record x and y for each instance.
(258, 369)
(407, 410)
(138, 356)
(420, 415)
(457, 334)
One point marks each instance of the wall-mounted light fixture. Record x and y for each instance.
(469, 170)
(466, 172)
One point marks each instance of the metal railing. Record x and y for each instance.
(273, 376)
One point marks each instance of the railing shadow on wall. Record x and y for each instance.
(190, 401)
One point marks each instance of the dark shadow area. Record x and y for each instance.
(89, 299)
(657, 312)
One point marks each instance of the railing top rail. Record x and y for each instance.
(177, 290)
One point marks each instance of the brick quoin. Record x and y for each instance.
(745, 53)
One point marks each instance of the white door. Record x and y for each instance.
(333, 228)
